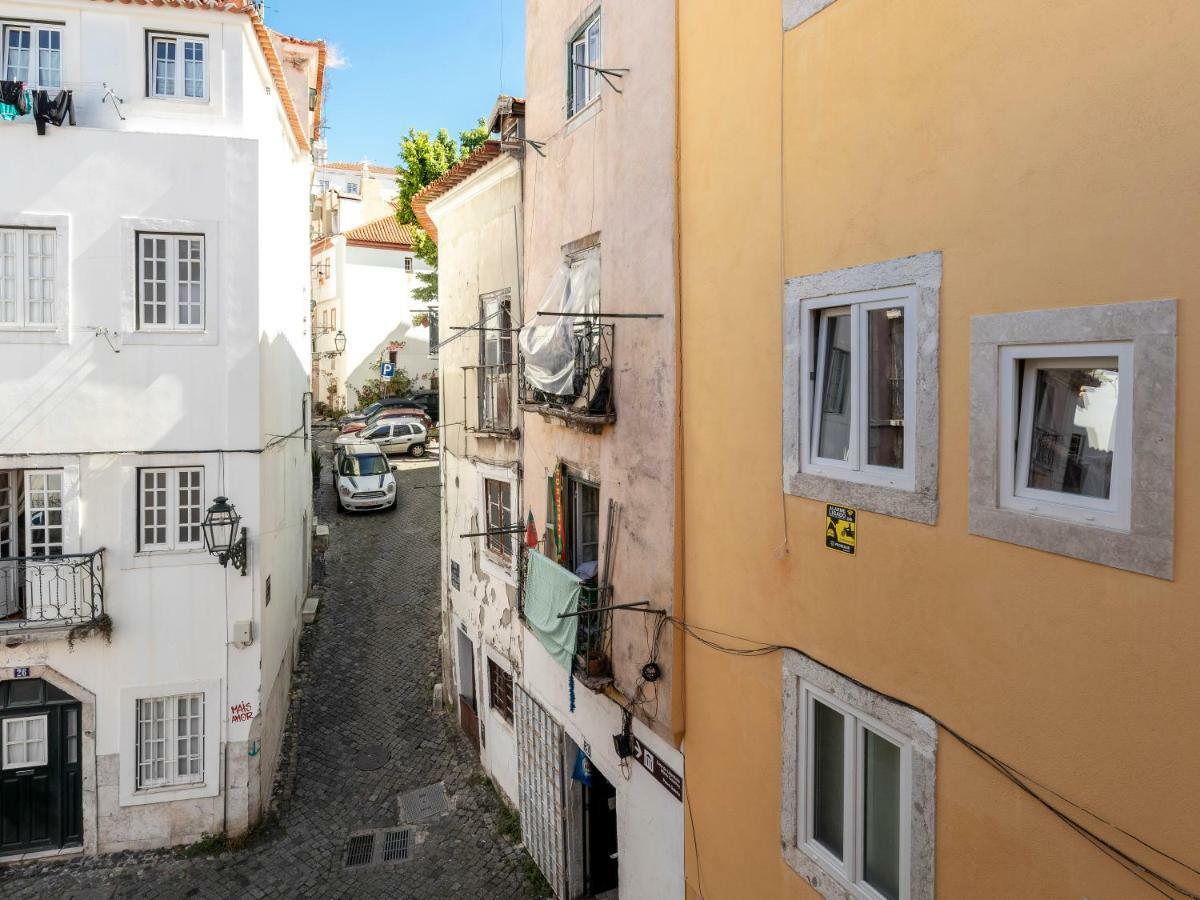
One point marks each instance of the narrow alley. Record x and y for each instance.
(361, 709)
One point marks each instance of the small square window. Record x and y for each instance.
(500, 691)
(1065, 432)
(1073, 414)
(25, 742)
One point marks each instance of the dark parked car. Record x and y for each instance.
(431, 401)
(386, 403)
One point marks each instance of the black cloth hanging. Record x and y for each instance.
(13, 93)
(55, 111)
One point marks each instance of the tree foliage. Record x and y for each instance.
(424, 159)
(400, 385)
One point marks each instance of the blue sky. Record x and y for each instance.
(397, 64)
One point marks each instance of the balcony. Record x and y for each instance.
(493, 400)
(51, 592)
(590, 404)
(592, 663)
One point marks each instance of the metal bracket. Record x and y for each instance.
(239, 554)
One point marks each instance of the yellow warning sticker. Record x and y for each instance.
(841, 530)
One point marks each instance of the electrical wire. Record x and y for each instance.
(1149, 876)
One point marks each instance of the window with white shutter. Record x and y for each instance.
(27, 277)
(170, 282)
(170, 740)
(170, 507)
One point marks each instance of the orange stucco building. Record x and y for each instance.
(945, 252)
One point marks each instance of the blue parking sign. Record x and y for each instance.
(387, 370)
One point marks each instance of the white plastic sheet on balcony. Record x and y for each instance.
(548, 342)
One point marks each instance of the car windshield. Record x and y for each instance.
(371, 410)
(364, 465)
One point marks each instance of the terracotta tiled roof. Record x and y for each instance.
(463, 170)
(357, 167)
(262, 33)
(385, 232)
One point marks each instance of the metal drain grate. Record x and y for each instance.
(368, 849)
(371, 759)
(396, 845)
(424, 803)
(360, 850)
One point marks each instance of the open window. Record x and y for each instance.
(583, 57)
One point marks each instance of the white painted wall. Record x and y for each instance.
(101, 405)
(649, 818)
(478, 252)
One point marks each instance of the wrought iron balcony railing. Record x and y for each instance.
(591, 401)
(48, 591)
(593, 644)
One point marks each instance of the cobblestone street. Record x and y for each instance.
(360, 734)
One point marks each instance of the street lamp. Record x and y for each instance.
(339, 342)
(222, 537)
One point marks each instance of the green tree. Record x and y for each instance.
(425, 159)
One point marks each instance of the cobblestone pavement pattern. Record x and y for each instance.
(368, 666)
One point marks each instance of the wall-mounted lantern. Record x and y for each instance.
(222, 537)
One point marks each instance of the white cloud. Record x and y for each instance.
(334, 59)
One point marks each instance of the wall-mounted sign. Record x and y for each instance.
(663, 774)
(841, 530)
(387, 370)
(22, 672)
(454, 576)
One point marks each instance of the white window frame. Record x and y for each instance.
(1015, 433)
(180, 42)
(408, 265)
(588, 79)
(172, 510)
(814, 315)
(33, 80)
(173, 734)
(855, 724)
(16, 272)
(172, 283)
(45, 757)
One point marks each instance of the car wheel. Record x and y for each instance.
(341, 509)
(417, 450)
(395, 503)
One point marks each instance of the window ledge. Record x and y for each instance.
(584, 115)
(570, 418)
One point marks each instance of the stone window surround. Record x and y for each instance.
(923, 271)
(797, 11)
(60, 331)
(128, 794)
(922, 733)
(1148, 547)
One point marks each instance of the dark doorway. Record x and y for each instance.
(599, 835)
(41, 803)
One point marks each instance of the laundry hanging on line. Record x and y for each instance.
(14, 100)
(55, 111)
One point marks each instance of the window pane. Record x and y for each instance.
(164, 68)
(835, 391)
(193, 69)
(1074, 430)
(885, 387)
(39, 276)
(17, 44)
(49, 58)
(881, 815)
(828, 777)
(10, 249)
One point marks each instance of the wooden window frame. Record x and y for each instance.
(180, 42)
(22, 297)
(498, 675)
(170, 741)
(33, 79)
(173, 510)
(172, 282)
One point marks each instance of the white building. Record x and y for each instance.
(154, 294)
(363, 279)
(474, 214)
(363, 191)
